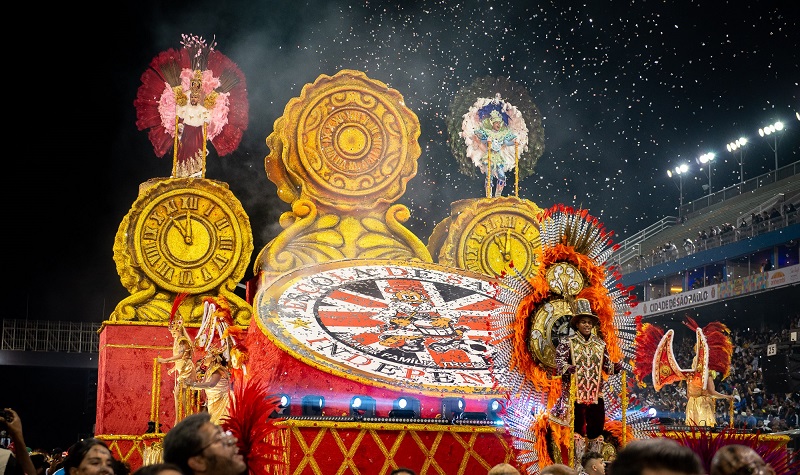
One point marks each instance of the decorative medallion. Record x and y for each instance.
(387, 323)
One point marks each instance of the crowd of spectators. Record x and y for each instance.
(755, 405)
(720, 234)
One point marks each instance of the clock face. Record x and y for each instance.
(498, 239)
(550, 323)
(388, 323)
(187, 240)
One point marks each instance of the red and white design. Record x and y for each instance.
(403, 325)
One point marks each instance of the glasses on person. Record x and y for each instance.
(226, 438)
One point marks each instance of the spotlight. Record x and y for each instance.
(452, 407)
(283, 409)
(313, 405)
(362, 406)
(405, 407)
(495, 408)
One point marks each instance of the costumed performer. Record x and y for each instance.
(182, 359)
(500, 144)
(494, 131)
(713, 349)
(213, 378)
(583, 356)
(189, 97)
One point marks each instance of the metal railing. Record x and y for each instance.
(630, 248)
(691, 246)
(42, 335)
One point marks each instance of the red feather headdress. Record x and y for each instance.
(171, 72)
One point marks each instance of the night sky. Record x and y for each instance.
(626, 90)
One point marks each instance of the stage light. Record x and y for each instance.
(313, 405)
(679, 171)
(405, 407)
(652, 412)
(284, 406)
(495, 408)
(452, 407)
(773, 130)
(362, 406)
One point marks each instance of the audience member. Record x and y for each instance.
(593, 464)
(558, 469)
(19, 462)
(738, 459)
(89, 457)
(660, 456)
(200, 447)
(403, 471)
(159, 469)
(503, 469)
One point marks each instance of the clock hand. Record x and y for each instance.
(178, 225)
(188, 238)
(507, 253)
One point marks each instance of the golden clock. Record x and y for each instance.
(492, 235)
(188, 237)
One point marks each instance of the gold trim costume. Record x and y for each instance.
(713, 349)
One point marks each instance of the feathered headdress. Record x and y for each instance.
(173, 76)
(175, 305)
(573, 267)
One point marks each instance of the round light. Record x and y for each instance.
(402, 403)
(356, 402)
(284, 401)
(652, 412)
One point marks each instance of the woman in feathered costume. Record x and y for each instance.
(189, 97)
(495, 133)
(713, 349)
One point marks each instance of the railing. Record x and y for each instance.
(630, 247)
(741, 188)
(42, 335)
(691, 246)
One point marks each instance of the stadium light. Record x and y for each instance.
(703, 159)
(738, 145)
(772, 129)
(679, 171)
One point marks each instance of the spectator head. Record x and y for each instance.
(197, 445)
(89, 457)
(403, 471)
(503, 469)
(659, 456)
(736, 459)
(593, 463)
(159, 469)
(558, 469)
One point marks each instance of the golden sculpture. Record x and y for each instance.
(341, 154)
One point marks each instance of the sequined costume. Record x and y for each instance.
(591, 359)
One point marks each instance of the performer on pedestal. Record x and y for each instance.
(583, 356)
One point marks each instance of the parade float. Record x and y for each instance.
(359, 348)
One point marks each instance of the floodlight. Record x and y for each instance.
(313, 405)
(362, 406)
(452, 407)
(495, 408)
(283, 408)
(405, 407)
